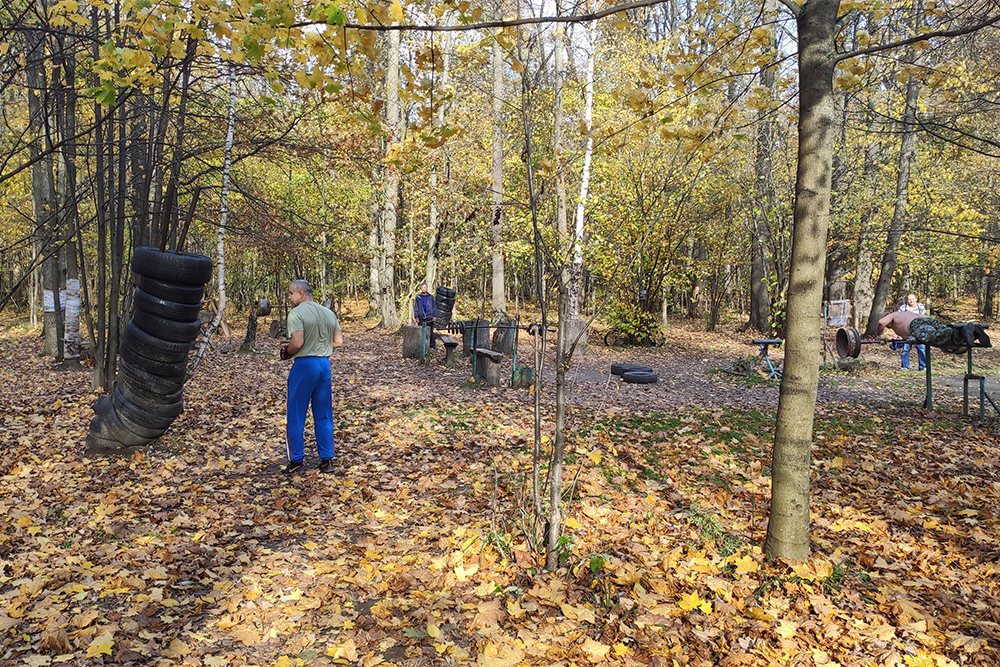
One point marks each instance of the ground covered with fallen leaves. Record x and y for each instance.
(419, 549)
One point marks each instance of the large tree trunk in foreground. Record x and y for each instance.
(788, 523)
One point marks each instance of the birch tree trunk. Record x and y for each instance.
(499, 298)
(788, 523)
(588, 151)
(220, 237)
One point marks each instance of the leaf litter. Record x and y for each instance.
(196, 551)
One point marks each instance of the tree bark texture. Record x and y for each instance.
(788, 523)
(390, 206)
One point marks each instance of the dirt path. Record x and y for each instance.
(688, 374)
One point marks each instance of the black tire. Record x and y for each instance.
(138, 414)
(139, 378)
(102, 446)
(184, 268)
(189, 294)
(167, 370)
(170, 310)
(639, 377)
(164, 403)
(144, 341)
(132, 346)
(619, 369)
(110, 426)
(446, 292)
(177, 332)
(106, 437)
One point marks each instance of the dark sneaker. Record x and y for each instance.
(294, 468)
(326, 466)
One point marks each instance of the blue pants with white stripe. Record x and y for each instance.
(309, 381)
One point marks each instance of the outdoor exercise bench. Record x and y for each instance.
(966, 379)
(764, 344)
(450, 345)
(486, 365)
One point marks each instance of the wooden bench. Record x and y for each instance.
(487, 365)
(451, 346)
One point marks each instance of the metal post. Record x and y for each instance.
(929, 401)
(423, 340)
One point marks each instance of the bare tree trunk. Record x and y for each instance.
(43, 187)
(499, 297)
(386, 294)
(588, 151)
(434, 240)
(220, 238)
(907, 154)
(788, 523)
(101, 371)
(765, 213)
(67, 204)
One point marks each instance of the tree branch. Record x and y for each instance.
(958, 32)
(579, 18)
(792, 7)
(977, 237)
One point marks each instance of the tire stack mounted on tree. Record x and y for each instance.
(444, 299)
(153, 356)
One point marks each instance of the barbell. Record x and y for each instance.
(849, 343)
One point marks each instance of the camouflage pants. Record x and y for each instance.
(932, 332)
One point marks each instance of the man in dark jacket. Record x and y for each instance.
(425, 310)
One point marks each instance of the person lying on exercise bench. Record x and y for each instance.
(930, 331)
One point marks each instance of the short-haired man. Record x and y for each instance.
(314, 332)
(425, 310)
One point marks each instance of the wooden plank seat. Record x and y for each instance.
(487, 365)
(451, 347)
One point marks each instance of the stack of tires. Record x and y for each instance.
(153, 353)
(444, 299)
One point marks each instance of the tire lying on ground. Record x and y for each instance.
(149, 392)
(619, 369)
(639, 377)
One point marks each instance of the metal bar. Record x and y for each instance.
(929, 400)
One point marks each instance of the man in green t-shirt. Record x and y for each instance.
(314, 332)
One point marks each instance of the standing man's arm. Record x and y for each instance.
(338, 339)
(295, 344)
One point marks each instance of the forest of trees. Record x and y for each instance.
(708, 159)
(651, 152)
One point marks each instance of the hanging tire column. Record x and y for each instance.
(444, 299)
(148, 393)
